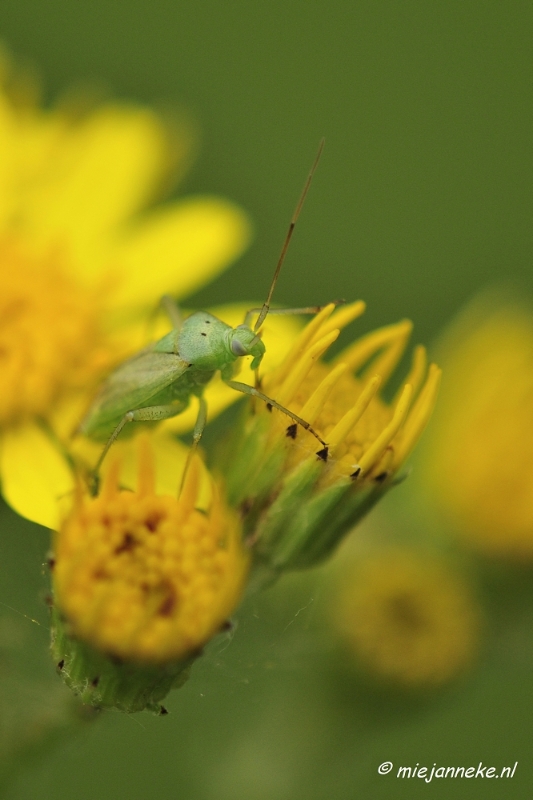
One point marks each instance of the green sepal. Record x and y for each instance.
(103, 681)
(253, 468)
(335, 514)
(290, 519)
(293, 499)
(304, 525)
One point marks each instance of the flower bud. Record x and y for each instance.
(298, 498)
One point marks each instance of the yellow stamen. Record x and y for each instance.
(420, 414)
(110, 481)
(302, 342)
(342, 317)
(303, 367)
(391, 337)
(377, 448)
(315, 404)
(416, 373)
(384, 467)
(349, 420)
(385, 364)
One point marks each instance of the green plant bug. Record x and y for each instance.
(160, 380)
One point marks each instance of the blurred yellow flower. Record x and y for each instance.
(478, 455)
(78, 265)
(299, 498)
(142, 578)
(408, 619)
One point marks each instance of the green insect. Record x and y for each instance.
(158, 382)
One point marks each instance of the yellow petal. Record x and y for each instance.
(104, 170)
(179, 248)
(35, 476)
(169, 457)
(168, 453)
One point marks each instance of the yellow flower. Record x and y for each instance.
(79, 263)
(408, 619)
(299, 496)
(143, 577)
(478, 456)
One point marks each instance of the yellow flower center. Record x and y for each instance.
(148, 577)
(47, 329)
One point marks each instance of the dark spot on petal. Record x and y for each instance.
(269, 406)
(406, 611)
(381, 477)
(292, 430)
(323, 454)
(227, 626)
(168, 605)
(162, 711)
(128, 544)
(356, 473)
(100, 574)
(51, 562)
(61, 664)
(153, 521)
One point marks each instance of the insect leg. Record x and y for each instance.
(148, 414)
(172, 310)
(295, 311)
(199, 425)
(250, 390)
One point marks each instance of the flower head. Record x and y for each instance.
(478, 457)
(143, 577)
(298, 497)
(80, 263)
(408, 619)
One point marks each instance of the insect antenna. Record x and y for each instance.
(266, 304)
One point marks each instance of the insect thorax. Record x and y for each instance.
(204, 341)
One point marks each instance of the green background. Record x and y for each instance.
(422, 197)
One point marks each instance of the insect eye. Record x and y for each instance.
(237, 348)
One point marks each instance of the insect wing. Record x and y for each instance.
(131, 386)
